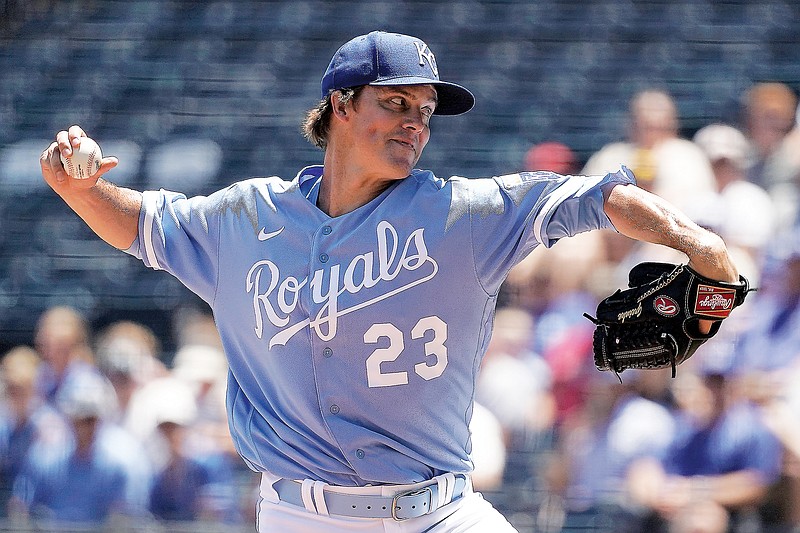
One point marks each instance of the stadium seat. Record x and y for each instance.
(20, 171)
(183, 165)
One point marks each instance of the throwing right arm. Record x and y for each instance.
(112, 212)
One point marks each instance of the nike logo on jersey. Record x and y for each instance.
(263, 235)
(275, 297)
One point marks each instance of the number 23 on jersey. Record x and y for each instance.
(435, 351)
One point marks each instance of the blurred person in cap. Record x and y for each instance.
(514, 383)
(182, 432)
(101, 479)
(355, 302)
(27, 423)
(514, 387)
(740, 211)
(202, 367)
(177, 490)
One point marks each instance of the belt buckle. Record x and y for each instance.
(413, 492)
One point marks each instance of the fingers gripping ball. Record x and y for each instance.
(655, 322)
(84, 161)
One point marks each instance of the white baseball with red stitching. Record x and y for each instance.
(84, 161)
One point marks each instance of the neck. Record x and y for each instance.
(346, 187)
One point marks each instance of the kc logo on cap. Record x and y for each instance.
(381, 58)
(425, 54)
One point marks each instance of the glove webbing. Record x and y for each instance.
(635, 348)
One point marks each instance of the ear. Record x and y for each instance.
(339, 109)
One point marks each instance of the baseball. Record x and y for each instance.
(84, 161)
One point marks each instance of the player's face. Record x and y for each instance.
(392, 127)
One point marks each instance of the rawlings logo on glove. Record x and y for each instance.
(714, 301)
(655, 322)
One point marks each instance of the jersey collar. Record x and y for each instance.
(308, 180)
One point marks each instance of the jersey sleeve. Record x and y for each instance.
(521, 211)
(180, 235)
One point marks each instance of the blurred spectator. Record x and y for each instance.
(192, 440)
(163, 398)
(553, 156)
(616, 426)
(27, 423)
(514, 382)
(62, 340)
(781, 414)
(204, 370)
(740, 211)
(770, 123)
(99, 479)
(514, 386)
(200, 363)
(663, 163)
(178, 488)
(556, 286)
(718, 468)
(772, 340)
(769, 115)
(127, 354)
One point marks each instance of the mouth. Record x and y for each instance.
(406, 144)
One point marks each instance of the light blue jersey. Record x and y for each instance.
(354, 342)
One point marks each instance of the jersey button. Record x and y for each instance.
(323, 258)
(360, 453)
(327, 230)
(327, 352)
(335, 409)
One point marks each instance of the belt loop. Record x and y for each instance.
(445, 485)
(319, 498)
(450, 487)
(308, 500)
(441, 484)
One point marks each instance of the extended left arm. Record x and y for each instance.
(643, 216)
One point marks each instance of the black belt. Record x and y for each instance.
(405, 504)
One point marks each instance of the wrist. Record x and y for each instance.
(711, 260)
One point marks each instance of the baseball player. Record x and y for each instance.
(355, 302)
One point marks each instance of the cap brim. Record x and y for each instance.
(453, 99)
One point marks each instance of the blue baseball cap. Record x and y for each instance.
(381, 58)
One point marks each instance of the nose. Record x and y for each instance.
(415, 120)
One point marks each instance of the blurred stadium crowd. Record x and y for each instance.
(112, 412)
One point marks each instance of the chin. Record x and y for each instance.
(399, 171)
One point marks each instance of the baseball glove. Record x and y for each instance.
(654, 323)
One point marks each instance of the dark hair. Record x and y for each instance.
(318, 119)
